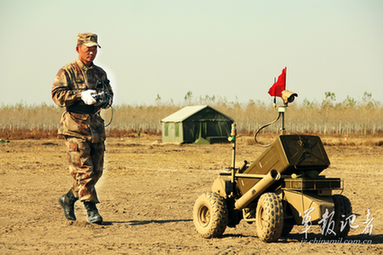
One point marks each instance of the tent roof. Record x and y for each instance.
(186, 112)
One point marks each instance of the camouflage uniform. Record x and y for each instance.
(82, 126)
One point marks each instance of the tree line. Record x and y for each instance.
(323, 118)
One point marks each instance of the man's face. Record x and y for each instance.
(86, 54)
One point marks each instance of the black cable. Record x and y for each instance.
(264, 126)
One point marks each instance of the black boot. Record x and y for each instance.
(67, 202)
(93, 215)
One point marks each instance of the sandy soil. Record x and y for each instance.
(147, 194)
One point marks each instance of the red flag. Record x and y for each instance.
(279, 86)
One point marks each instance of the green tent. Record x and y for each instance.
(196, 124)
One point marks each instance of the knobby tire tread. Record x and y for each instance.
(270, 217)
(218, 215)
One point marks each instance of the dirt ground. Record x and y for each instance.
(147, 195)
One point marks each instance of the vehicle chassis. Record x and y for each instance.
(280, 189)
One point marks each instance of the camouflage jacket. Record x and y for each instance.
(79, 120)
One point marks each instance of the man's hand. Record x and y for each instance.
(87, 97)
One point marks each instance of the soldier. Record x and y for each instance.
(75, 87)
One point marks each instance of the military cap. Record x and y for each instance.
(88, 39)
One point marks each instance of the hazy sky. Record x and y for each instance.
(232, 49)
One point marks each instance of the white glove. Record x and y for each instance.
(87, 97)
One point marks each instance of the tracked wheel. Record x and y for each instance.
(269, 217)
(210, 215)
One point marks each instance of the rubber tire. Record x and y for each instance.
(269, 217)
(343, 209)
(210, 215)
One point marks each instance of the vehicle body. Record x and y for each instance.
(281, 188)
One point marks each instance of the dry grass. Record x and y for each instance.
(327, 118)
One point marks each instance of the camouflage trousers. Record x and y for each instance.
(86, 161)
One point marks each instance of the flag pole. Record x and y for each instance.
(282, 109)
(275, 97)
(285, 76)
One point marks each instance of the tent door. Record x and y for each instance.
(200, 132)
